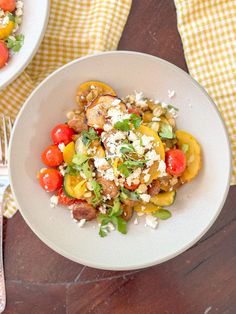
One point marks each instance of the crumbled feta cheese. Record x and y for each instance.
(151, 156)
(107, 127)
(138, 148)
(101, 163)
(92, 150)
(162, 168)
(116, 102)
(147, 141)
(1, 13)
(140, 101)
(109, 174)
(136, 221)
(62, 170)
(173, 112)
(171, 93)
(88, 194)
(115, 115)
(156, 119)
(19, 12)
(89, 186)
(53, 201)
(61, 146)
(146, 177)
(133, 176)
(132, 136)
(110, 226)
(19, 4)
(145, 197)
(164, 105)
(102, 209)
(151, 221)
(81, 223)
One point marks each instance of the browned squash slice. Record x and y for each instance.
(193, 155)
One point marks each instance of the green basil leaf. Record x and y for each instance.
(89, 136)
(97, 188)
(127, 148)
(125, 193)
(124, 170)
(136, 120)
(87, 170)
(121, 225)
(116, 208)
(163, 214)
(122, 125)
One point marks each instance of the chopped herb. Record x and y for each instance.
(124, 170)
(97, 191)
(126, 194)
(134, 163)
(127, 148)
(166, 131)
(16, 43)
(122, 125)
(172, 107)
(114, 217)
(136, 120)
(11, 17)
(185, 148)
(73, 170)
(79, 159)
(89, 136)
(162, 214)
(87, 170)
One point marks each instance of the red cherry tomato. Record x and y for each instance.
(99, 131)
(62, 133)
(50, 179)
(4, 54)
(52, 156)
(65, 200)
(175, 162)
(8, 5)
(131, 187)
(133, 110)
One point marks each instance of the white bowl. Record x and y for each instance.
(33, 27)
(197, 204)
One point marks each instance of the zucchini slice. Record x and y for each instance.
(74, 186)
(164, 199)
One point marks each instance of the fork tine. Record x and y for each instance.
(5, 139)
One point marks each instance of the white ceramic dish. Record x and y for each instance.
(33, 27)
(197, 204)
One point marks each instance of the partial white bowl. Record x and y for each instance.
(197, 204)
(33, 27)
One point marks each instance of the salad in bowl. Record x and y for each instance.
(11, 41)
(115, 157)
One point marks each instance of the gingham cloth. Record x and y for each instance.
(76, 28)
(208, 32)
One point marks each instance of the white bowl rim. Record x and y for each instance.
(33, 52)
(148, 264)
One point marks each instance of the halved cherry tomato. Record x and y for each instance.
(99, 131)
(131, 187)
(133, 110)
(65, 200)
(4, 54)
(8, 5)
(175, 162)
(62, 133)
(50, 179)
(52, 156)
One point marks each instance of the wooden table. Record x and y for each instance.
(201, 280)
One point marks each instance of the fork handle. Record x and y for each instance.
(2, 279)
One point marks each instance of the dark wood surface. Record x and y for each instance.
(201, 280)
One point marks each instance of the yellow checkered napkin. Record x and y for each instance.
(76, 28)
(208, 32)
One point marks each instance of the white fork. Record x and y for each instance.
(5, 131)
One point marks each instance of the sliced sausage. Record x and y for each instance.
(108, 187)
(127, 213)
(154, 188)
(79, 123)
(83, 210)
